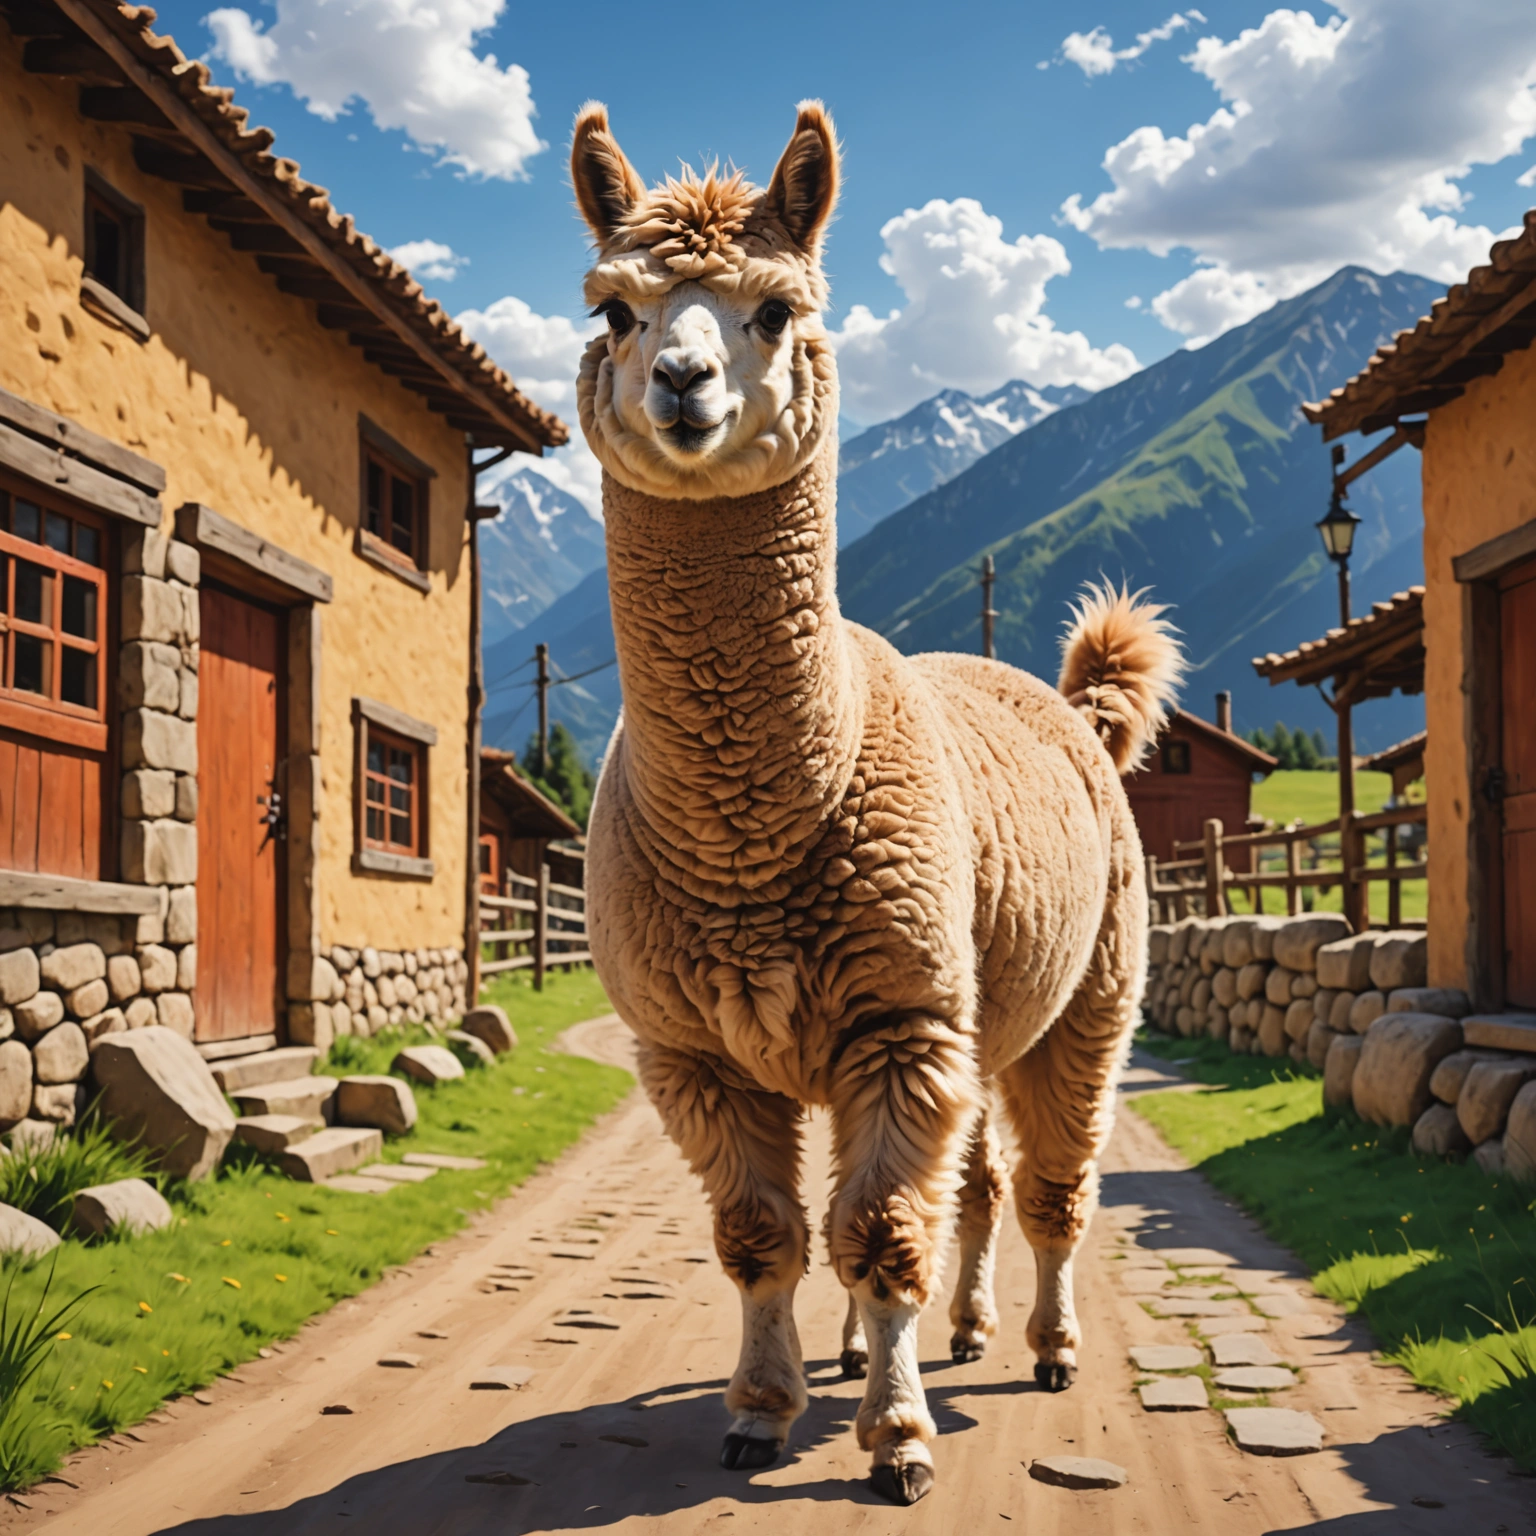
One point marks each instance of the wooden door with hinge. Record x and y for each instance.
(240, 749)
(1516, 781)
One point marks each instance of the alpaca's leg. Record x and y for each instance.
(982, 1197)
(903, 1097)
(1061, 1100)
(745, 1146)
(855, 1356)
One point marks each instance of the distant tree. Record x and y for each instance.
(566, 778)
(1303, 754)
(1321, 746)
(1257, 738)
(1281, 746)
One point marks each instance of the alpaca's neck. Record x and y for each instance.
(741, 717)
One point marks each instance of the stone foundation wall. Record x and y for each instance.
(371, 989)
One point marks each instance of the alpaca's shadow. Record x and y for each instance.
(584, 1471)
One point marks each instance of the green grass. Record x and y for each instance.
(1439, 1258)
(252, 1254)
(43, 1181)
(1313, 796)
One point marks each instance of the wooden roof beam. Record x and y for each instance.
(234, 206)
(318, 287)
(264, 238)
(155, 159)
(122, 104)
(75, 57)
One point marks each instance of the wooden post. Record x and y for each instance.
(1356, 892)
(1154, 901)
(1394, 887)
(1346, 741)
(1255, 892)
(1292, 870)
(540, 926)
(541, 682)
(1215, 871)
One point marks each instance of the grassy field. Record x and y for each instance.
(1439, 1258)
(252, 1254)
(1288, 795)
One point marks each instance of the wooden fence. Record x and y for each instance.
(1205, 879)
(538, 924)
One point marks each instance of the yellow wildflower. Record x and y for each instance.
(140, 1369)
(144, 1306)
(228, 1281)
(283, 1278)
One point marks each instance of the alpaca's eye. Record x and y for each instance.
(620, 317)
(774, 316)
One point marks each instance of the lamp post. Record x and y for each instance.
(1337, 528)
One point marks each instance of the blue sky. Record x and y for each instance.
(1252, 151)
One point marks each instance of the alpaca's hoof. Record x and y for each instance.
(855, 1364)
(964, 1351)
(904, 1484)
(1054, 1376)
(741, 1453)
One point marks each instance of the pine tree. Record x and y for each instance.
(1282, 747)
(1303, 753)
(566, 778)
(1257, 738)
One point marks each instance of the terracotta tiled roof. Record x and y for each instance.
(1399, 755)
(192, 133)
(1466, 334)
(1381, 651)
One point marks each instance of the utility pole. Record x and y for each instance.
(988, 612)
(541, 655)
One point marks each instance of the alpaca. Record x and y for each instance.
(821, 872)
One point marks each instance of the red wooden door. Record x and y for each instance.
(239, 746)
(1517, 670)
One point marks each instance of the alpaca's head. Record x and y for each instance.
(715, 377)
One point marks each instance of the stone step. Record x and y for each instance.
(275, 1133)
(1503, 1031)
(263, 1067)
(307, 1097)
(247, 1045)
(331, 1151)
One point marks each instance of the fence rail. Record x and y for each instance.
(556, 935)
(1176, 884)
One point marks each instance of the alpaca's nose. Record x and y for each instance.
(680, 370)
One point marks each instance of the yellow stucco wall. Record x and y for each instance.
(1479, 482)
(251, 407)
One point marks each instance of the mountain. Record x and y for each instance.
(1197, 477)
(882, 470)
(540, 546)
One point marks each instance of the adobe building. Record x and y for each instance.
(1463, 383)
(1197, 770)
(239, 699)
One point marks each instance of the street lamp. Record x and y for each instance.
(1338, 531)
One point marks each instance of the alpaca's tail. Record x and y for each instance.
(1121, 668)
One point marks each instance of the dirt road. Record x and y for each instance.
(619, 1426)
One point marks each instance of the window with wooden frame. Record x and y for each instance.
(53, 586)
(393, 791)
(394, 523)
(1176, 757)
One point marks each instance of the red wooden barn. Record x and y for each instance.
(1196, 771)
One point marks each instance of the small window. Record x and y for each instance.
(394, 504)
(1175, 757)
(392, 794)
(114, 242)
(53, 601)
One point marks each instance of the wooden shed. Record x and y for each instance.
(517, 823)
(1197, 770)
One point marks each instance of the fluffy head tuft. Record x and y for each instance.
(1121, 667)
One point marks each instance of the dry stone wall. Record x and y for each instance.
(361, 991)
(1356, 1008)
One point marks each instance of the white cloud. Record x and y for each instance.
(430, 259)
(1526, 178)
(542, 354)
(414, 64)
(973, 318)
(1134, 302)
(1337, 141)
(1095, 53)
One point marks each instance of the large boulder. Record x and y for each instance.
(1345, 964)
(133, 1204)
(24, 1234)
(1401, 1052)
(1438, 1133)
(159, 1092)
(385, 1103)
(428, 1064)
(1400, 960)
(1298, 941)
(1488, 1091)
(474, 1052)
(1520, 1135)
(1339, 1070)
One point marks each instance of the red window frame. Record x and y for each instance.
(392, 802)
(54, 618)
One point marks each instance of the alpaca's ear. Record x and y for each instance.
(803, 191)
(607, 185)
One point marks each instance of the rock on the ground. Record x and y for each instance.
(330, 1152)
(501, 1378)
(1402, 1050)
(1242, 1349)
(1339, 1070)
(401, 1362)
(1490, 1156)
(1255, 1378)
(1438, 1133)
(1079, 1472)
(24, 1234)
(274, 1133)
(1275, 1431)
(1297, 942)
(428, 1064)
(1520, 1135)
(397, 1173)
(1345, 964)
(1399, 960)
(492, 1025)
(159, 1092)
(356, 1184)
(1174, 1394)
(442, 1160)
(34, 1135)
(380, 1101)
(1486, 1094)
(131, 1203)
(465, 1045)
(1166, 1357)
(580, 1317)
